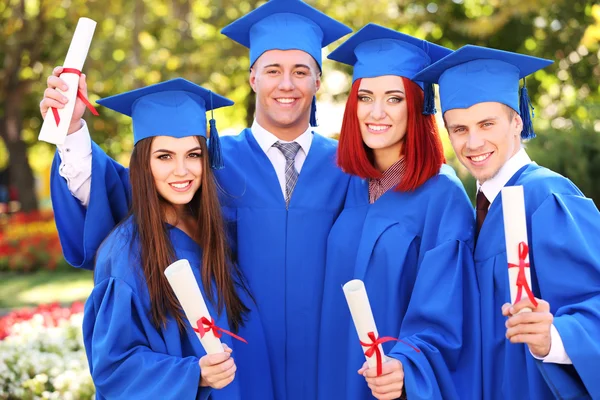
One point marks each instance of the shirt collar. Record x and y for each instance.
(491, 188)
(266, 139)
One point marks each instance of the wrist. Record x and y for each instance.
(75, 126)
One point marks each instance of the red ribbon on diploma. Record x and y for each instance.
(373, 347)
(79, 94)
(203, 325)
(521, 278)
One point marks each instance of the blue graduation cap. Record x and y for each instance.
(376, 51)
(474, 74)
(286, 25)
(174, 108)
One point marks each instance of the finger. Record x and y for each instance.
(529, 318)
(83, 89)
(386, 368)
(362, 369)
(528, 329)
(382, 391)
(526, 303)
(227, 348)
(220, 372)
(543, 306)
(506, 309)
(214, 359)
(222, 383)
(47, 103)
(54, 82)
(389, 396)
(55, 95)
(532, 339)
(57, 70)
(389, 379)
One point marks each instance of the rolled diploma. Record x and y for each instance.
(360, 308)
(182, 280)
(515, 232)
(78, 50)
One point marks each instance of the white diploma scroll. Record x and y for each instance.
(515, 232)
(360, 308)
(182, 280)
(78, 50)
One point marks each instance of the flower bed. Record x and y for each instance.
(42, 354)
(29, 241)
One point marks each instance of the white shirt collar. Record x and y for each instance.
(266, 139)
(492, 187)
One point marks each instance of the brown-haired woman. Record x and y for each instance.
(406, 231)
(138, 342)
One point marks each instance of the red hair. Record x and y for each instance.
(422, 147)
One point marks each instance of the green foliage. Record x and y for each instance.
(141, 42)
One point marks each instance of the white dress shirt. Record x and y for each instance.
(266, 140)
(76, 163)
(491, 189)
(76, 158)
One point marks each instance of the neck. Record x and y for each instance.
(385, 158)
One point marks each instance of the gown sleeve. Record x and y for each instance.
(118, 337)
(567, 266)
(443, 317)
(81, 230)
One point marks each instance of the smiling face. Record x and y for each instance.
(383, 114)
(176, 166)
(484, 137)
(285, 82)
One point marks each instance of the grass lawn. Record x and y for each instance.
(64, 286)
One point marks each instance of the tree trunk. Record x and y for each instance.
(21, 175)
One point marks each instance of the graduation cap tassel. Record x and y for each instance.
(527, 114)
(214, 150)
(429, 100)
(313, 112)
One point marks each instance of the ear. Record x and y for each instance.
(252, 79)
(517, 123)
(318, 82)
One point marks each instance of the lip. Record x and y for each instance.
(481, 162)
(183, 189)
(386, 127)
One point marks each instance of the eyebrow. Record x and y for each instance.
(276, 65)
(172, 152)
(387, 92)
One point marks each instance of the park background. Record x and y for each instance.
(142, 42)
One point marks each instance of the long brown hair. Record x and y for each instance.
(422, 148)
(157, 253)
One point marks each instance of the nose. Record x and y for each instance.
(180, 168)
(378, 110)
(475, 140)
(286, 82)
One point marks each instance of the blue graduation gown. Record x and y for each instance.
(130, 359)
(283, 252)
(563, 230)
(81, 230)
(413, 250)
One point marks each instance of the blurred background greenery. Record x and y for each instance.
(141, 42)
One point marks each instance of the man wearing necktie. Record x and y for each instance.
(554, 350)
(282, 189)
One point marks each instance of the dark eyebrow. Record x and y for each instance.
(172, 152)
(387, 92)
(276, 65)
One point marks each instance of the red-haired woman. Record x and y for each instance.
(138, 342)
(406, 231)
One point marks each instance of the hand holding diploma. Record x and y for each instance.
(529, 319)
(53, 98)
(57, 124)
(217, 370)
